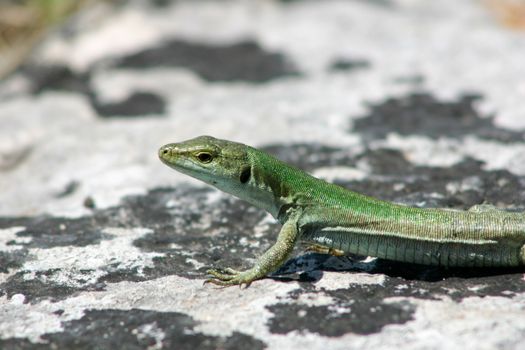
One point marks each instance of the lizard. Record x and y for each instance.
(336, 220)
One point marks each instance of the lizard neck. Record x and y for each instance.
(263, 188)
(275, 185)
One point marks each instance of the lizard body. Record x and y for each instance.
(335, 219)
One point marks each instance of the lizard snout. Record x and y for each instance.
(165, 152)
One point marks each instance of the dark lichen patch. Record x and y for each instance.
(351, 312)
(36, 288)
(175, 262)
(244, 61)
(346, 64)
(49, 232)
(460, 186)
(21, 344)
(423, 114)
(56, 78)
(138, 104)
(310, 156)
(165, 208)
(52, 284)
(135, 329)
(12, 259)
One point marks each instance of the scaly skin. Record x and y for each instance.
(335, 220)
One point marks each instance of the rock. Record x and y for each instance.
(102, 246)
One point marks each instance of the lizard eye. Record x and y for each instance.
(204, 157)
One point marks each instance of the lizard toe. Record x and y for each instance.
(220, 275)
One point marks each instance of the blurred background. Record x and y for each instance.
(413, 101)
(24, 22)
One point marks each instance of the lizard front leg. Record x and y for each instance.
(270, 261)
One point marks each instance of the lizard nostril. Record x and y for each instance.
(164, 152)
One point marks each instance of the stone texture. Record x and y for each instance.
(102, 246)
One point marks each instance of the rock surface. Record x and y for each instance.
(102, 246)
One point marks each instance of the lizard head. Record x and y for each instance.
(223, 164)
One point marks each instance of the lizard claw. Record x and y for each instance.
(230, 277)
(228, 271)
(223, 275)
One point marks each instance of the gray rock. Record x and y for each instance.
(102, 246)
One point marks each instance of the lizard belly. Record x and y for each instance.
(419, 251)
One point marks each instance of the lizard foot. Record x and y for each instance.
(230, 277)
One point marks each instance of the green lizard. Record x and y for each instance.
(337, 221)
